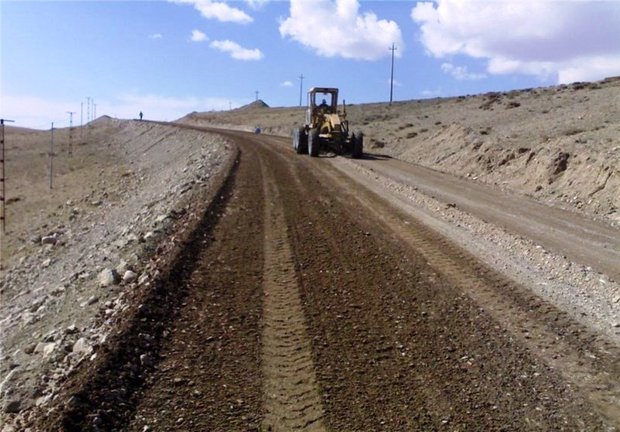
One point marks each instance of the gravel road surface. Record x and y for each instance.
(304, 300)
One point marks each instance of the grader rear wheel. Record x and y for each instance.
(357, 145)
(313, 142)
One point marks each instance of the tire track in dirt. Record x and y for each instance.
(396, 346)
(291, 398)
(208, 375)
(589, 363)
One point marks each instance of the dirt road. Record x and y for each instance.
(308, 302)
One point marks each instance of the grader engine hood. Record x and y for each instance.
(331, 123)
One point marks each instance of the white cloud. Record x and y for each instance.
(286, 84)
(218, 10)
(38, 113)
(563, 39)
(236, 51)
(155, 36)
(336, 28)
(461, 72)
(257, 4)
(198, 36)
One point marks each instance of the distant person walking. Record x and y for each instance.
(141, 115)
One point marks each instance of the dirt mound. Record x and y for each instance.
(257, 104)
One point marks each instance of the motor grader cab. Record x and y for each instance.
(325, 127)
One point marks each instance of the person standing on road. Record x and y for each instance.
(141, 115)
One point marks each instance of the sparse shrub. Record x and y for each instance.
(412, 135)
(578, 85)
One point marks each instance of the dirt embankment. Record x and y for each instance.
(74, 255)
(560, 144)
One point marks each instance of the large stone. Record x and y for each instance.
(81, 346)
(129, 276)
(12, 406)
(108, 277)
(45, 348)
(49, 240)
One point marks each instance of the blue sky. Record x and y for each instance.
(168, 58)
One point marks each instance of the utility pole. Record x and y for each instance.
(52, 156)
(256, 94)
(94, 111)
(3, 178)
(392, 74)
(70, 132)
(81, 120)
(87, 109)
(301, 84)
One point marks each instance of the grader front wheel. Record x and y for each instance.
(357, 144)
(300, 141)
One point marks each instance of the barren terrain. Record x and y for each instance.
(184, 277)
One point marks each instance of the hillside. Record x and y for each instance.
(560, 144)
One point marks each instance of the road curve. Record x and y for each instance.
(309, 304)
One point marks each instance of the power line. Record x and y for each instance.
(52, 156)
(392, 74)
(301, 83)
(70, 132)
(3, 177)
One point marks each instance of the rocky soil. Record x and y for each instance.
(74, 254)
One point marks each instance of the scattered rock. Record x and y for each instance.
(45, 348)
(91, 300)
(146, 360)
(51, 240)
(108, 277)
(12, 406)
(559, 164)
(72, 329)
(82, 347)
(58, 291)
(129, 276)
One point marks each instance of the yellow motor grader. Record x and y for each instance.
(326, 128)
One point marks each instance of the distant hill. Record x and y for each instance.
(257, 104)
